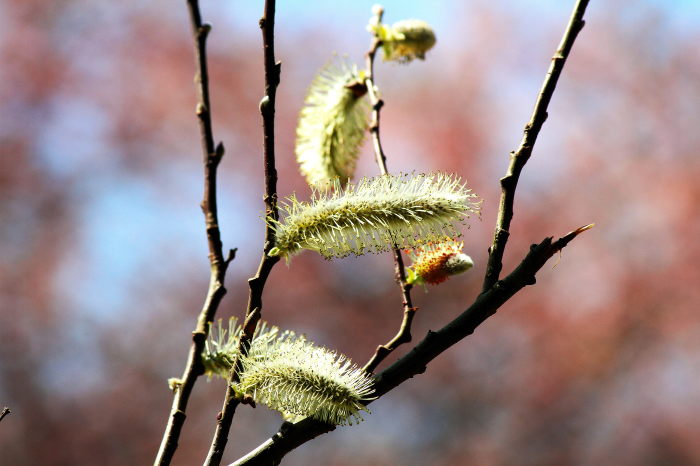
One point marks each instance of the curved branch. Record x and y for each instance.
(290, 436)
(519, 158)
(5, 411)
(404, 333)
(495, 292)
(212, 155)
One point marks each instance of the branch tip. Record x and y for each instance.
(5, 411)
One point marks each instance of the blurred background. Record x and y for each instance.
(103, 258)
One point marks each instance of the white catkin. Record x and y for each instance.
(374, 215)
(332, 126)
(290, 374)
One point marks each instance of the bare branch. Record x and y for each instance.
(5, 411)
(495, 293)
(212, 156)
(256, 283)
(519, 158)
(404, 333)
(290, 436)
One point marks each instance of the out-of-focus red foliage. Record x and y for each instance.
(103, 256)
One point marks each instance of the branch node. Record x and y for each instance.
(264, 103)
(220, 150)
(248, 400)
(203, 31)
(231, 256)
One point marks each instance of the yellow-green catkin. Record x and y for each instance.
(290, 374)
(374, 215)
(332, 125)
(406, 40)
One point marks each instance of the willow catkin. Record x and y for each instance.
(332, 125)
(374, 215)
(290, 374)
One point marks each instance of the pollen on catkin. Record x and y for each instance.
(434, 263)
(406, 40)
(332, 125)
(289, 374)
(374, 215)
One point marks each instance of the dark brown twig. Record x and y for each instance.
(290, 436)
(218, 265)
(5, 411)
(519, 158)
(404, 333)
(256, 283)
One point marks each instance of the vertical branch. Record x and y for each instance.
(212, 155)
(519, 158)
(404, 333)
(256, 283)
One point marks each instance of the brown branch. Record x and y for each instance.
(5, 411)
(256, 283)
(498, 292)
(519, 158)
(404, 333)
(182, 388)
(290, 436)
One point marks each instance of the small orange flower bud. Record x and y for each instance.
(435, 263)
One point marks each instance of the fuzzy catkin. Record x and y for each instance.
(405, 40)
(289, 374)
(332, 125)
(299, 379)
(374, 215)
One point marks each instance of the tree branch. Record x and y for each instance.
(290, 436)
(495, 293)
(257, 283)
(5, 411)
(212, 155)
(519, 158)
(404, 333)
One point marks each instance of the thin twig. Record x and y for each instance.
(519, 158)
(404, 333)
(5, 411)
(290, 436)
(218, 265)
(256, 283)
